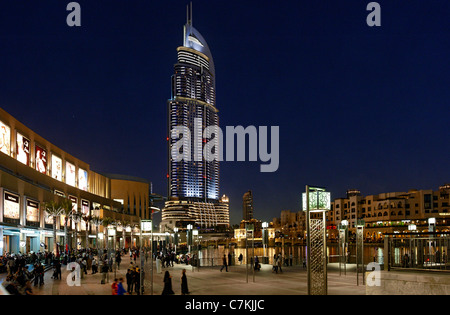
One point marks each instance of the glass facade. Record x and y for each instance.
(193, 181)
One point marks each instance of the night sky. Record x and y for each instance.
(358, 106)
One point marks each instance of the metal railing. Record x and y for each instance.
(419, 252)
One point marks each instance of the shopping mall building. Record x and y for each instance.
(33, 171)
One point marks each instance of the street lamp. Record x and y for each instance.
(316, 200)
(343, 236)
(146, 226)
(265, 238)
(195, 239)
(175, 230)
(112, 232)
(189, 236)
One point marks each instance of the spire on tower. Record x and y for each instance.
(189, 13)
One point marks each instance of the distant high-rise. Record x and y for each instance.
(247, 206)
(193, 182)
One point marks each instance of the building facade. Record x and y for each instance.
(193, 180)
(247, 206)
(33, 172)
(393, 212)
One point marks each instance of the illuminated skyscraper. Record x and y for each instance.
(247, 206)
(193, 182)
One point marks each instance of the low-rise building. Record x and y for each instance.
(33, 171)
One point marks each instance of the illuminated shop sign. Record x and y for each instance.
(5, 139)
(32, 211)
(11, 208)
(23, 149)
(74, 201)
(56, 167)
(85, 207)
(82, 179)
(70, 174)
(60, 193)
(40, 159)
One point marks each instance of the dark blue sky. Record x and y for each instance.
(358, 107)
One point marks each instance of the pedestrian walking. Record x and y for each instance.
(241, 258)
(184, 284)
(280, 261)
(275, 265)
(130, 281)
(105, 274)
(224, 263)
(94, 266)
(167, 284)
(137, 280)
(229, 259)
(158, 265)
(257, 265)
(120, 289)
(118, 260)
(38, 274)
(114, 287)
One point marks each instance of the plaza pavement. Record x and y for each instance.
(208, 281)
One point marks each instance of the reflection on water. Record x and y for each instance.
(213, 256)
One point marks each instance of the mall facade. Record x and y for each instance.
(33, 171)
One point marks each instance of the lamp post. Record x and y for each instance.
(146, 226)
(359, 249)
(197, 260)
(249, 229)
(316, 200)
(112, 232)
(343, 238)
(189, 236)
(431, 229)
(265, 238)
(175, 230)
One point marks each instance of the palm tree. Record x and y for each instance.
(67, 211)
(53, 210)
(132, 226)
(118, 223)
(125, 224)
(107, 221)
(97, 222)
(76, 217)
(87, 219)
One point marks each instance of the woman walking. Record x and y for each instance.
(167, 284)
(184, 284)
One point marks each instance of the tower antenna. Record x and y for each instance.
(189, 13)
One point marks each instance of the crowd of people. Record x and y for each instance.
(24, 270)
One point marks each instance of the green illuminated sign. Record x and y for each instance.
(318, 200)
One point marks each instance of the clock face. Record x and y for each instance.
(318, 200)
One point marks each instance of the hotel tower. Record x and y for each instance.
(193, 182)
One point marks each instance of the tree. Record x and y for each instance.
(125, 224)
(53, 210)
(87, 219)
(76, 217)
(107, 221)
(97, 222)
(67, 212)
